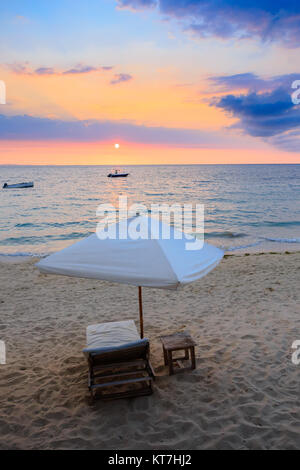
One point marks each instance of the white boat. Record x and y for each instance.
(18, 185)
(116, 174)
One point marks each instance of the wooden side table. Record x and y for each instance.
(177, 342)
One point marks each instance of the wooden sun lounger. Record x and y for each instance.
(118, 361)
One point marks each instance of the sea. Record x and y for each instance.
(247, 208)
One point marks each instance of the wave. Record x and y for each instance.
(29, 224)
(241, 247)
(283, 240)
(22, 254)
(159, 194)
(290, 223)
(53, 224)
(24, 240)
(34, 240)
(226, 234)
(259, 242)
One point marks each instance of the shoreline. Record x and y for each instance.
(16, 258)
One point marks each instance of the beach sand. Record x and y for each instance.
(244, 394)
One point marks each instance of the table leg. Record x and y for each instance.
(165, 356)
(186, 356)
(170, 361)
(193, 357)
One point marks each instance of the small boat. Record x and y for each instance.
(18, 185)
(116, 174)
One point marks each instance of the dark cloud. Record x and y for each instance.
(289, 141)
(262, 114)
(81, 69)
(20, 68)
(252, 82)
(35, 128)
(44, 71)
(26, 69)
(121, 77)
(248, 81)
(269, 115)
(263, 19)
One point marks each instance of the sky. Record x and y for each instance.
(171, 81)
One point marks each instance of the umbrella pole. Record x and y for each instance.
(141, 312)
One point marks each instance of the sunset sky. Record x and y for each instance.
(171, 81)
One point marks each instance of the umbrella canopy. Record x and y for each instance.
(160, 263)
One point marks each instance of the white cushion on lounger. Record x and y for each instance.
(111, 335)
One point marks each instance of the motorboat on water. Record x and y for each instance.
(18, 185)
(117, 174)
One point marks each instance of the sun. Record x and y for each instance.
(117, 146)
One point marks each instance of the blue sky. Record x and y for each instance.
(211, 71)
(67, 30)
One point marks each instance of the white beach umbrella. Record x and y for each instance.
(152, 261)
